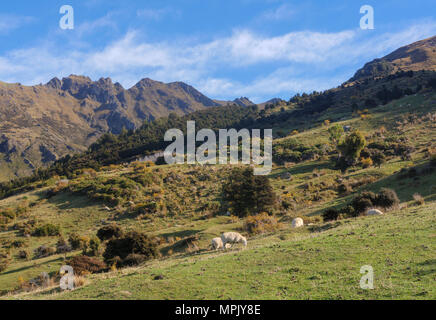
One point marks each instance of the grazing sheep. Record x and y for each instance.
(374, 212)
(232, 237)
(297, 223)
(217, 243)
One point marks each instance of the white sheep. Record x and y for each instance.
(374, 212)
(232, 237)
(217, 243)
(297, 223)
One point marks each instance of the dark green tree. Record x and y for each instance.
(247, 194)
(352, 146)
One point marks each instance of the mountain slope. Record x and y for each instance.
(420, 55)
(38, 124)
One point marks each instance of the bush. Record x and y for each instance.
(24, 254)
(19, 243)
(84, 265)
(109, 232)
(387, 198)
(419, 200)
(134, 259)
(4, 261)
(62, 246)
(78, 242)
(93, 247)
(261, 223)
(364, 201)
(288, 204)
(349, 211)
(330, 214)
(345, 188)
(366, 162)
(44, 251)
(47, 230)
(131, 243)
(25, 228)
(378, 158)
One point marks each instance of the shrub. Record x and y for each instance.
(24, 254)
(261, 223)
(366, 162)
(419, 200)
(93, 247)
(387, 198)
(134, 259)
(330, 214)
(7, 215)
(78, 242)
(364, 201)
(288, 204)
(44, 251)
(4, 261)
(345, 188)
(109, 232)
(19, 243)
(62, 246)
(378, 158)
(84, 265)
(131, 243)
(25, 228)
(47, 230)
(349, 211)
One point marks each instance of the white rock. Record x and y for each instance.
(297, 223)
(374, 212)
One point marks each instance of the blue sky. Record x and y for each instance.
(225, 48)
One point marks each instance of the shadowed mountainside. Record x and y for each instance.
(39, 124)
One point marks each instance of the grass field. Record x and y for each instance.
(399, 246)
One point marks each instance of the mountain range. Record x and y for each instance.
(39, 124)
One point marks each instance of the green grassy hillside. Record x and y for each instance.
(291, 265)
(178, 203)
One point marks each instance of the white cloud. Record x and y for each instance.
(9, 22)
(157, 14)
(107, 21)
(296, 61)
(285, 11)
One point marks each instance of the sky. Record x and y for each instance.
(260, 49)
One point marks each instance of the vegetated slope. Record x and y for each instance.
(321, 266)
(39, 124)
(179, 203)
(420, 55)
